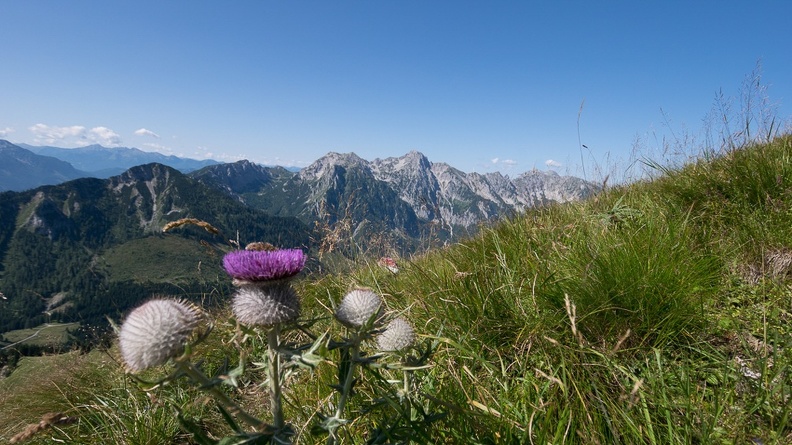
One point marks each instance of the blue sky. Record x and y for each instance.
(480, 85)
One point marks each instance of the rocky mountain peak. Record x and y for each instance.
(389, 192)
(410, 176)
(144, 173)
(235, 178)
(148, 189)
(437, 193)
(415, 159)
(553, 187)
(413, 163)
(243, 168)
(329, 162)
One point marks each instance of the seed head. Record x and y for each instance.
(265, 305)
(260, 245)
(357, 307)
(397, 335)
(155, 332)
(263, 265)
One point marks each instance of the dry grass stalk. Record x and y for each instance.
(555, 380)
(571, 311)
(193, 221)
(47, 420)
(333, 234)
(621, 341)
(632, 399)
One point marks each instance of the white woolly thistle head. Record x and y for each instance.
(397, 335)
(156, 331)
(358, 307)
(266, 305)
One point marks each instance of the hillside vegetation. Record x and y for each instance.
(657, 312)
(89, 248)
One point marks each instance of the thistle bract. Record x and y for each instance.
(265, 305)
(155, 332)
(263, 265)
(397, 335)
(358, 307)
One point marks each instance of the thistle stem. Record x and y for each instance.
(407, 385)
(198, 376)
(273, 370)
(349, 378)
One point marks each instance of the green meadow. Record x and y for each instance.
(658, 312)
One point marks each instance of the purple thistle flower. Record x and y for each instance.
(260, 265)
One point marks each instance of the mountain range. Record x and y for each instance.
(408, 196)
(88, 247)
(24, 166)
(103, 162)
(21, 169)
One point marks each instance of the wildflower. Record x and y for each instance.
(389, 263)
(265, 305)
(155, 332)
(358, 307)
(263, 265)
(397, 335)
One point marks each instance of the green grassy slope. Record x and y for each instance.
(162, 258)
(653, 313)
(41, 385)
(50, 334)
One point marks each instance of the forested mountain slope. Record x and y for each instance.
(87, 247)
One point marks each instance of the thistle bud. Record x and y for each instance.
(265, 305)
(397, 335)
(155, 332)
(358, 307)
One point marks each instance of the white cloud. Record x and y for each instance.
(74, 136)
(5, 132)
(501, 164)
(146, 132)
(552, 164)
(45, 134)
(104, 136)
